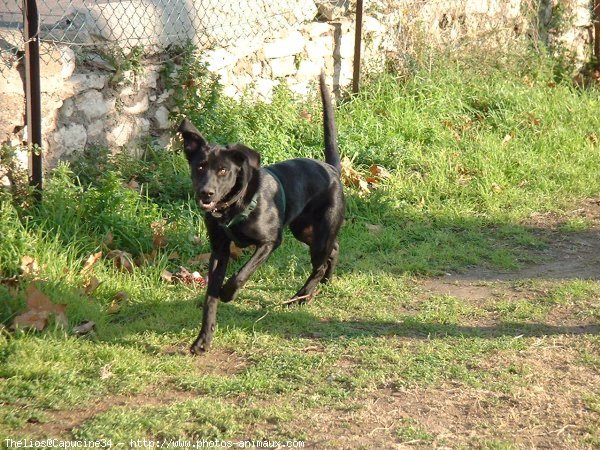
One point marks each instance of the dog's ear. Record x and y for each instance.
(192, 139)
(240, 153)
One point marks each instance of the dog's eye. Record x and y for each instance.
(201, 167)
(222, 171)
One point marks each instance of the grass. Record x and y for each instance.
(473, 153)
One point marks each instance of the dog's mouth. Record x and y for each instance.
(207, 206)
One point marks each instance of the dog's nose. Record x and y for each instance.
(206, 194)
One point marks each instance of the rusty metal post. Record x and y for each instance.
(596, 21)
(33, 95)
(357, 45)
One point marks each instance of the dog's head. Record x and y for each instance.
(218, 172)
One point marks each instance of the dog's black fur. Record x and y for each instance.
(303, 193)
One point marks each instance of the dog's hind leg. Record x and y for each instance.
(331, 262)
(323, 255)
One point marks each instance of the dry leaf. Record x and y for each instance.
(114, 307)
(167, 276)
(351, 177)
(174, 255)
(306, 115)
(496, 187)
(145, 259)
(84, 328)
(133, 185)
(91, 285)
(106, 372)
(464, 179)
(92, 259)
(533, 120)
(122, 260)
(507, 138)
(379, 171)
(29, 266)
(158, 234)
(201, 258)
(40, 308)
(374, 228)
(187, 277)
(11, 282)
(120, 296)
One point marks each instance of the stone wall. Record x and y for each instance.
(92, 103)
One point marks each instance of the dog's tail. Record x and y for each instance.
(331, 149)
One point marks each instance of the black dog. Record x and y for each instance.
(251, 205)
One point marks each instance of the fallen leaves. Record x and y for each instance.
(91, 285)
(158, 234)
(352, 177)
(29, 266)
(116, 302)
(199, 259)
(183, 276)
(84, 328)
(89, 263)
(374, 228)
(39, 310)
(122, 260)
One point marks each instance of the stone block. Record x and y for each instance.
(10, 80)
(119, 135)
(95, 131)
(161, 118)
(301, 88)
(139, 105)
(317, 29)
(282, 67)
(309, 70)
(264, 88)
(68, 139)
(218, 59)
(92, 104)
(319, 48)
(11, 114)
(290, 45)
(80, 82)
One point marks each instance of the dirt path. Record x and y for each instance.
(569, 255)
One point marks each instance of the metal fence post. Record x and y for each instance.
(357, 42)
(31, 23)
(596, 38)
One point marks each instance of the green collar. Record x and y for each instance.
(244, 214)
(241, 217)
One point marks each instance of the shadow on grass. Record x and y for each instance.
(299, 322)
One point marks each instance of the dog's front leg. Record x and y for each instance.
(237, 281)
(216, 274)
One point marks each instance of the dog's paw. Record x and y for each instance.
(200, 346)
(228, 291)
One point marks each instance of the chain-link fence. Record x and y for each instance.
(152, 25)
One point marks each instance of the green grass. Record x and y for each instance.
(459, 196)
